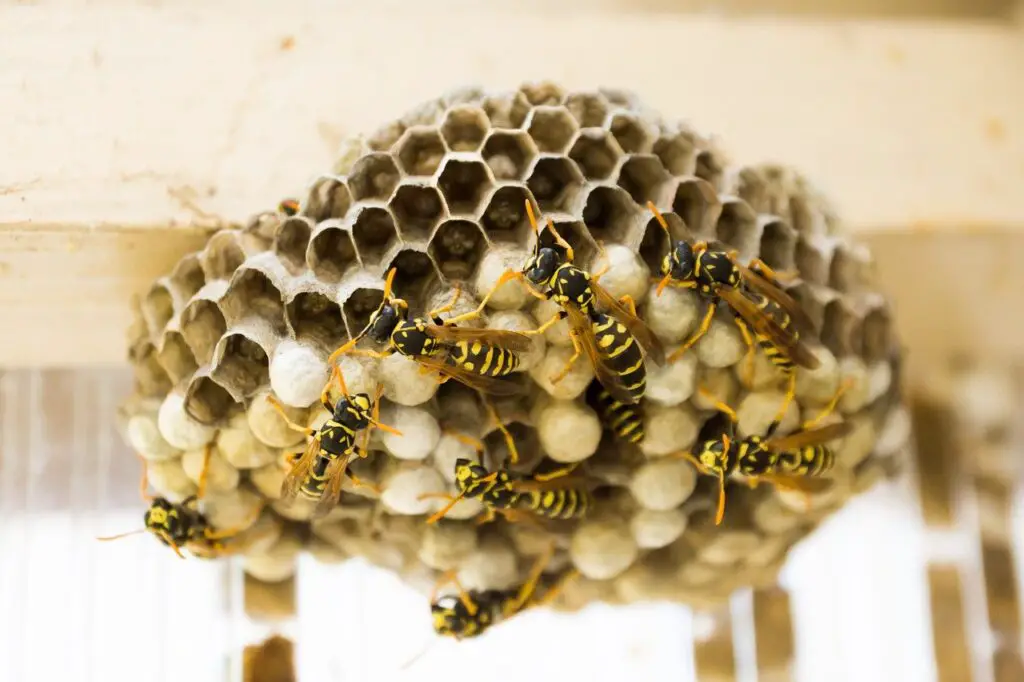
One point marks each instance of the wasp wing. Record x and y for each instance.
(485, 384)
(766, 287)
(637, 327)
(801, 439)
(574, 482)
(335, 476)
(582, 329)
(499, 338)
(795, 349)
(300, 471)
(803, 484)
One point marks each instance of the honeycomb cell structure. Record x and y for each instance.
(439, 195)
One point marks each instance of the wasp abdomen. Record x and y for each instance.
(624, 419)
(484, 359)
(622, 353)
(563, 504)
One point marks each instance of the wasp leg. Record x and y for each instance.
(451, 577)
(557, 473)
(688, 456)
(506, 276)
(556, 589)
(830, 408)
(440, 514)
(705, 325)
(526, 591)
(447, 307)
(510, 443)
(577, 346)
(560, 315)
(291, 425)
(748, 359)
(630, 304)
(488, 516)
(719, 405)
(766, 271)
(203, 474)
(790, 394)
(363, 484)
(144, 483)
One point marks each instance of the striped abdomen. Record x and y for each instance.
(775, 355)
(568, 503)
(813, 460)
(621, 352)
(495, 493)
(624, 419)
(313, 487)
(483, 359)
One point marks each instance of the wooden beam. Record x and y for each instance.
(149, 123)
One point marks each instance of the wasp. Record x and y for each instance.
(469, 614)
(796, 461)
(624, 419)
(763, 312)
(288, 207)
(318, 473)
(552, 495)
(479, 358)
(615, 341)
(183, 525)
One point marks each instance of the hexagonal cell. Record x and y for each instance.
(509, 154)
(645, 179)
(373, 177)
(241, 365)
(737, 227)
(877, 335)
(417, 210)
(552, 128)
(815, 308)
(202, 325)
(504, 218)
(696, 202)
(811, 262)
(752, 187)
(844, 270)
(542, 92)
(596, 152)
(157, 309)
(187, 277)
(150, 376)
(464, 182)
(778, 242)
(359, 305)
(840, 329)
(507, 112)
(710, 167)
(426, 114)
(252, 293)
(222, 256)
(555, 182)
(678, 152)
(457, 247)
(331, 252)
(176, 357)
(610, 214)
(633, 135)
(415, 274)
(312, 316)
(206, 401)
(373, 232)
(385, 137)
(464, 128)
(329, 197)
(420, 151)
(291, 242)
(588, 108)
(617, 97)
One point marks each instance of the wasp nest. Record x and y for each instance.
(439, 195)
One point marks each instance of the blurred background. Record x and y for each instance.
(131, 128)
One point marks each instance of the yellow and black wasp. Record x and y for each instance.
(182, 525)
(479, 358)
(551, 495)
(318, 473)
(796, 461)
(469, 614)
(288, 207)
(762, 310)
(615, 341)
(624, 419)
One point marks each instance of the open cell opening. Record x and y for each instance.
(331, 253)
(420, 151)
(202, 325)
(417, 210)
(457, 247)
(373, 177)
(313, 316)
(554, 183)
(373, 232)
(596, 153)
(552, 128)
(464, 184)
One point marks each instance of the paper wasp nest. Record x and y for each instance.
(439, 194)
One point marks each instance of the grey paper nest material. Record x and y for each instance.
(439, 194)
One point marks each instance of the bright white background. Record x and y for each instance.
(73, 608)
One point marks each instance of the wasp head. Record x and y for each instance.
(384, 320)
(468, 474)
(714, 456)
(542, 265)
(680, 262)
(164, 520)
(450, 617)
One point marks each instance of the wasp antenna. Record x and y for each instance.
(532, 217)
(660, 218)
(720, 514)
(440, 514)
(108, 538)
(388, 282)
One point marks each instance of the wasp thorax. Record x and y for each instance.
(467, 472)
(719, 269)
(360, 414)
(383, 322)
